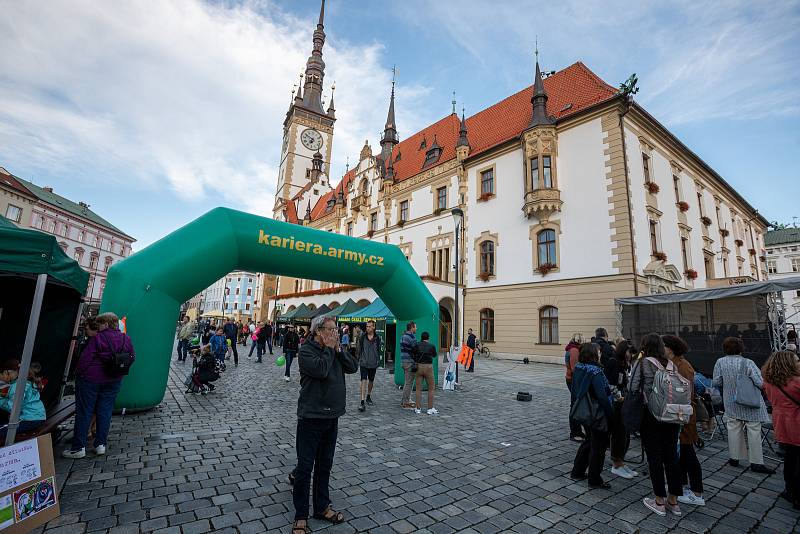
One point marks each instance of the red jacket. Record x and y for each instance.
(785, 412)
(573, 349)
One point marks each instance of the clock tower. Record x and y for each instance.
(307, 130)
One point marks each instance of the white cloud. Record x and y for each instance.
(178, 94)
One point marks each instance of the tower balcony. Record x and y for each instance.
(358, 202)
(541, 203)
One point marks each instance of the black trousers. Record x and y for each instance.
(591, 454)
(235, 352)
(575, 429)
(690, 468)
(661, 446)
(620, 437)
(791, 471)
(316, 444)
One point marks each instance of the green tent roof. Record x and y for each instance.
(30, 251)
(349, 306)
(322, 310)
(377, 311)
(288, 316)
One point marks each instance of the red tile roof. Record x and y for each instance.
(576, 86)
(291, 212)
(9, 180)
(320, 209)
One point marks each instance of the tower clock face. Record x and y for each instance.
(311, 139)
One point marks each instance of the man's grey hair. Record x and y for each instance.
(319, 321)
(109, 318)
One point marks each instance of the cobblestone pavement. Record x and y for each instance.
(487, 463)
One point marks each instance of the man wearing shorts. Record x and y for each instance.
(368, 350)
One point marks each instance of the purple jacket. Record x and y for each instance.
(100, 348)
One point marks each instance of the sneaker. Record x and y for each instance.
(417, 411)
(286, 378)
(100, 450)
(660, 509)
(689, 497)
(433, 411)
(369, 400)
(621, 472)
(80, 453)
(361, 407)
(674, 509)
(733, 463)
(761, 468)
(631, 471)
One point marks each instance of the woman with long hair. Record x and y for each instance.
(676, 349)
(616, 371)
(588, 379)
(660, 439)
(571, 352)
(782, 386)
(739, 418)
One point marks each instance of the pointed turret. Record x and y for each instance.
(307, 217)
(539, 100)
(332, 110)
(315, 69)
(462, 132)
(389, 138)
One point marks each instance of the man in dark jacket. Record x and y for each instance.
(321, 403)
(261, 342)
(270, 332)
(230, 333)
(408, 351)
(291, 344)
(606, 349)
(472, 343)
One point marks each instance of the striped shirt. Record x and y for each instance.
(726, 370)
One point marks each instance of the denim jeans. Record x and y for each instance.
(252, 348)
(93, 400)
(261, 348)
(183, 349)
(269, 343)
(316, 445)
(289, 355)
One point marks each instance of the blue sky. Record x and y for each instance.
(155, 113)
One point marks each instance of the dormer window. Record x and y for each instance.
(433, 154)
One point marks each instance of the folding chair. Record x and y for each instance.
(766, 430)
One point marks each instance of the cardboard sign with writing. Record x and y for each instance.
(33, 499)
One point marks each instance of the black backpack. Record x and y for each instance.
(118, 363)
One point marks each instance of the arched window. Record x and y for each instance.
(487, 324)
(548, 325)
(364, 187)
(487, 258)
(546, 240)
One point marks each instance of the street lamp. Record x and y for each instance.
(458, 218)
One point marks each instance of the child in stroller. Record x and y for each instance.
(204, 372)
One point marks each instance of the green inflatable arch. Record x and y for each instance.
(148, 287)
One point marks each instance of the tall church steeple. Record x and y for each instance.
(315, 69)
(539, 99)
(390, 138)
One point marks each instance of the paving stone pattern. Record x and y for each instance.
(487, 463)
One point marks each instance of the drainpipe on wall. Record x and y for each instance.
(628, 102)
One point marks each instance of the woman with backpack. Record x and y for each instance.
(588, 379)
(782, 385)
(658, 430)
(740, 381)
(690, 467)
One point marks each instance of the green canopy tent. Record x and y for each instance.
(39, 283)
(349, 306)
(322, 310)
(304, 316)
(289, 316)
(377, 311)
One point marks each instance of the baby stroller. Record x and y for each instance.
(194, 346)
(204, 372)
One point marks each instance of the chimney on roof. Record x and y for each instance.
(48, 189)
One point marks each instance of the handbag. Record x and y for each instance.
(701, 412)
(634, 404)
(587, 412)
(789, 396)
(746, 393)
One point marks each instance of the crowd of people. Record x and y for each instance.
(653, 392)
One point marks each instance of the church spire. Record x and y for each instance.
(315, 68)
(389, 139)
(462, 131)
(539, 99)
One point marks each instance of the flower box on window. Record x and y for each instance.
(545, 268)
(652, 188)
(724, 232)
(691, 274)
(683, 206)
(739, 242)
(752, 251)
(660, 256)
(401, 222)
(485, 196)
(484, 276)
(705, 220)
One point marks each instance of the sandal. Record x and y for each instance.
(331, 516)
(300, 529)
